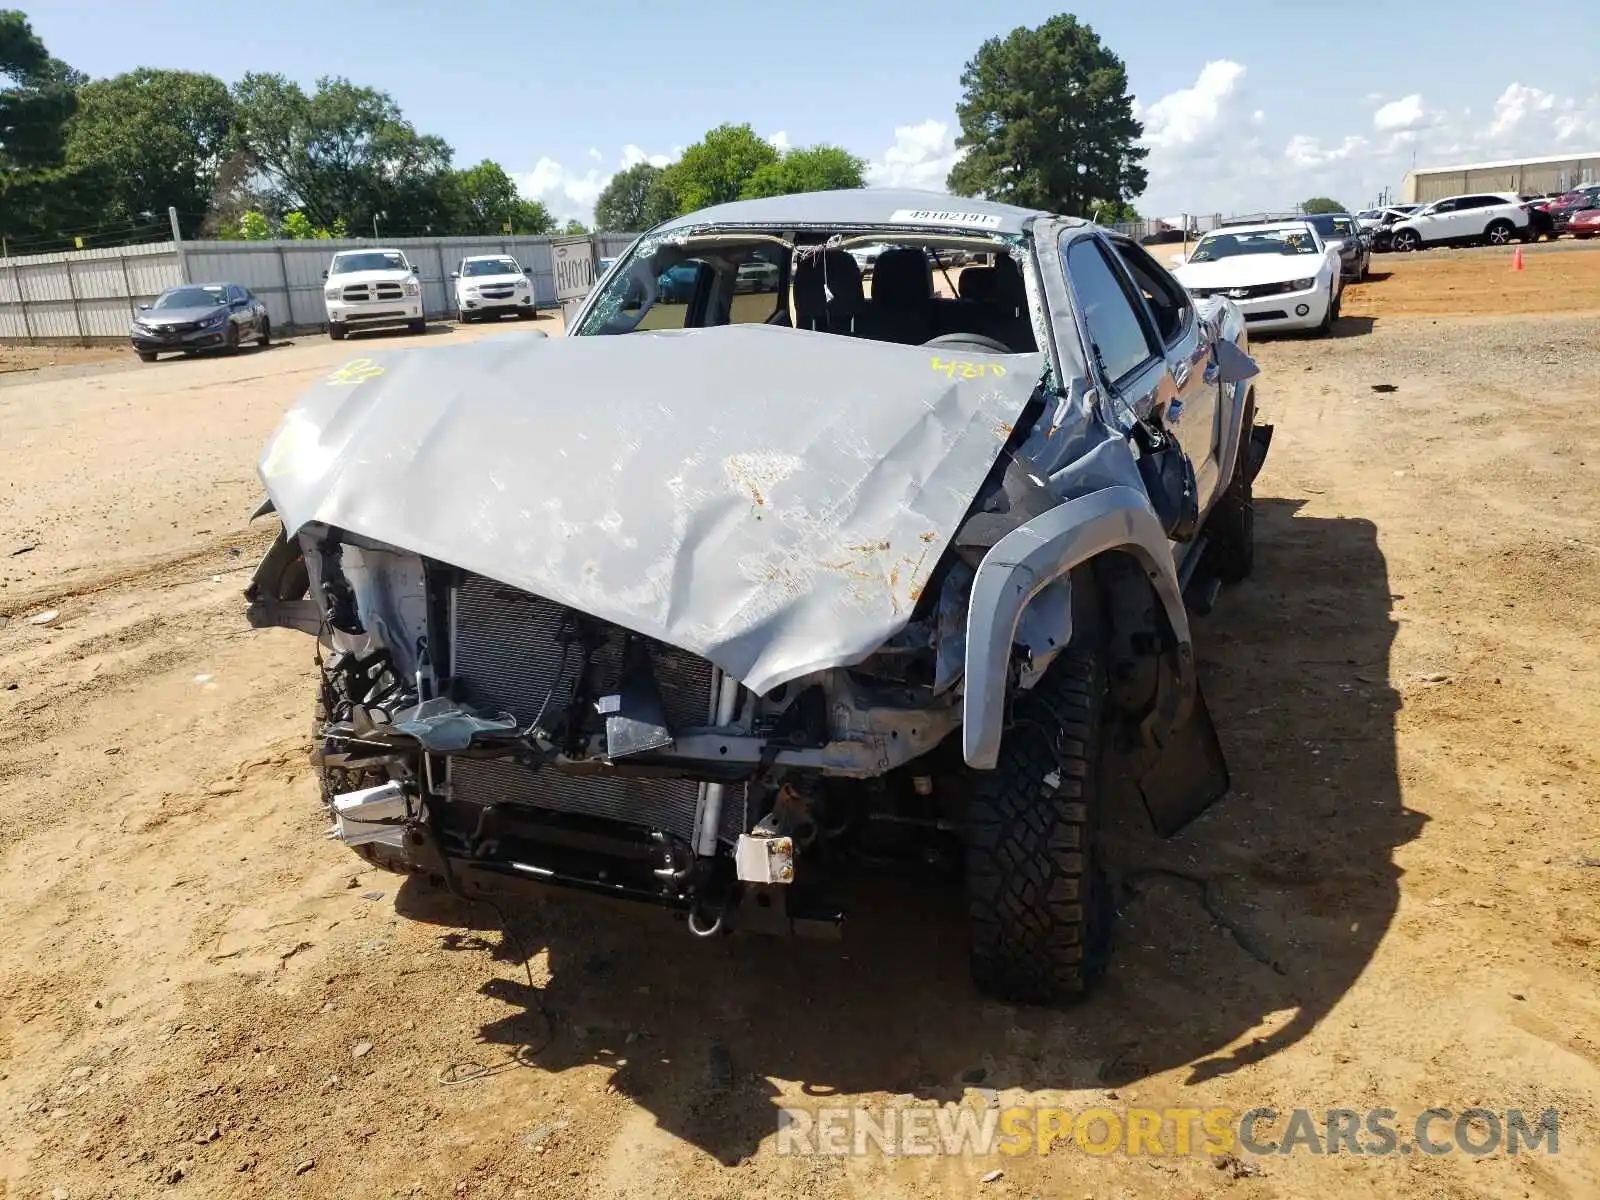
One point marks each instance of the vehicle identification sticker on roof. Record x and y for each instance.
(935, 216)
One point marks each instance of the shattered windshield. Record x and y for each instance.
(1216, 246)
(824, 282)
(490, 266)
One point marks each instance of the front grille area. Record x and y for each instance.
(361, 292)
(1253, 292)
(508, 657)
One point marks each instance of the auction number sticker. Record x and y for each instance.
(940, 216)
(960, 368)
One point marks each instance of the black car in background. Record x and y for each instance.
(199, 316)
(1344, 233)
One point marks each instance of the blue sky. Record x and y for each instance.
(1260, 108)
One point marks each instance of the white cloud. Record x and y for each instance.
(1522, 113)
(1191, 117)
(1403, 115)
(1303, 151)
(779, 141)
(921, 157)
(571, 194)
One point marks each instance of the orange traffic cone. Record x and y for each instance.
(1516, 260)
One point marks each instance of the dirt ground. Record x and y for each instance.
(200, 995)
(32, 358)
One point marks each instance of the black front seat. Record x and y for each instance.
(902, 296)
(1010, 321)
(828, 296)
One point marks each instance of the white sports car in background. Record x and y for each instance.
(1281, 275)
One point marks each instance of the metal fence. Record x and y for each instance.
(85, 294)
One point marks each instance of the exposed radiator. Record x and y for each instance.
(507, 656)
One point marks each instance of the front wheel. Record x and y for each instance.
(1405, 241)
(264, 338)
(1038, 904)
(337, 330)
(1499, 233)
(420, 325)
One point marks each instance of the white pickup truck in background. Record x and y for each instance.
(372, 287)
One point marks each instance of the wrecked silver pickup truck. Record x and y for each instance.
(789, 577)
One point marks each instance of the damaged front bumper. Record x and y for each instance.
(493, 731)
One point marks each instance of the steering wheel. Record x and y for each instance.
(977, 341)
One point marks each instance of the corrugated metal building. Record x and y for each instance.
(1521, 175)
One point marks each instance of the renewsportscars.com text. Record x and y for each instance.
(956, 1129)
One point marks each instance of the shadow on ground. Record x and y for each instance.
(1297, 862)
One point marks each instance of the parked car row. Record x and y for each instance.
(362, 289)
(1481, 218)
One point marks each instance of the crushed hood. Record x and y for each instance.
(771, 499)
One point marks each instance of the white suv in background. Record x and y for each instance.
(372, 287)
(1493, 218)
(491, 285)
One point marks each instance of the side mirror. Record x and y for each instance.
(144, 308)
(324, 274)
(455, 274)
(1231, 364)
(527, 271)
(237, 304)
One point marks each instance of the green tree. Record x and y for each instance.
(574, 228)
(715, 169)
(254, 227)
(1321, 204)
(485, 200)
(161, 137)
(1113, 212)
(1047, 121)
(344, 151)
(41, 199)
(36, 99)
(636, 199)
(811, 169)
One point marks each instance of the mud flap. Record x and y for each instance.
(1256, 447)
(1189, 774)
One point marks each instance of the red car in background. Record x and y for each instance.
(1584, 223)
(1561, 210)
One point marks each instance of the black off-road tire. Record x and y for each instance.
(420, 325)
(1231, 527)
(1038, 906)
(264, 336)
(337, 330)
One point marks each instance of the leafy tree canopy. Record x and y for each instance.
(715, 169)
(1047, 121)
(636, 199)
(811, 169)
(161, 138)
(1321, 204)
